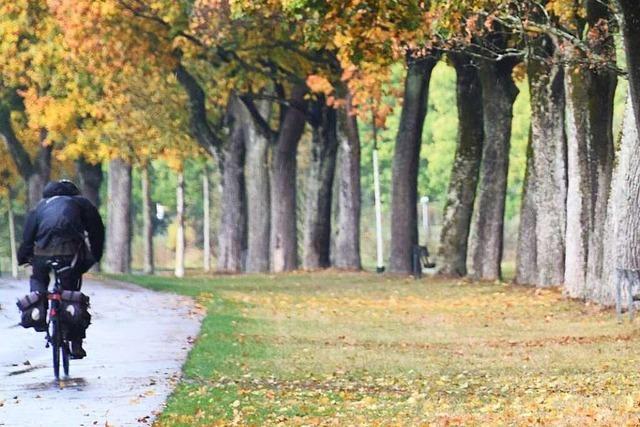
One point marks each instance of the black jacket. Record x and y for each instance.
(59, 220)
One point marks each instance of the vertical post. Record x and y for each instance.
(180, 243)
(378, 207)
(206, 228)
(148, 266)
(424, 201)
(12, 239)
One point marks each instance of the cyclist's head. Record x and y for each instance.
(64, 187)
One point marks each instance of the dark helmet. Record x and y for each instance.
(64, 187)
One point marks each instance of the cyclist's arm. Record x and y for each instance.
(94, 226)
(25, 252)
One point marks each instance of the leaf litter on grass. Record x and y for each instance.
(363, 350)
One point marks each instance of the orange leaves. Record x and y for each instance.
(319, 84)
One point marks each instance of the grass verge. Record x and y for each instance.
(362, 349)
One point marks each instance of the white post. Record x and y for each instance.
(180, 237)
(378, 207)
(206, 229)
(424, 201)
(12, 241)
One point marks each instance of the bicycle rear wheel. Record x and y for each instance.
(65, 358)
(56, 339)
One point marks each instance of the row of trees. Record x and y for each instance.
(129, 81)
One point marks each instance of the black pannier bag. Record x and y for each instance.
(74, 309)
(34, 311)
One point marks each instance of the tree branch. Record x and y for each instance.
(199, 123)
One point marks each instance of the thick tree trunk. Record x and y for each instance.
(498, 95)
(206, 221)
(579, 183)
(526, 264)
(12, 238)
(118, 250)
(35, 173)
(590, 96)
(631, 34)
(40, 175)
(147, 222)
(258, 192)
(284, 240)
(620, 238)
(347, 240)
(548, 141)
(319, 185)
(452, 254)
(232, 235)
(90, 177)
(180, 235)
(404, 197)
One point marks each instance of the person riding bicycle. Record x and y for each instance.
(58, 228)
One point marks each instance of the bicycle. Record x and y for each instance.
(56, 332)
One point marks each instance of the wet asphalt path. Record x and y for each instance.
(133, 360)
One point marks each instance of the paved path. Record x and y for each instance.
(132, 366)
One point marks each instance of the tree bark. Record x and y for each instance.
(452, 254)
(620, 238)
(232, 235)
(631, 34)
(258, 192)
(180, 235)
(147, 222)
(90, 176)
(498, 95)
(526, 263)
(550, 160)
(347, 240)
(319, 187)
(590, 97)
(206, 226)
(118, 248)
(404, 197)
(12, 238)
(284, 240)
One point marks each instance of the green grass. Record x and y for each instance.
(364, 349)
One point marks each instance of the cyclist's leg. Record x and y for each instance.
(39, 281)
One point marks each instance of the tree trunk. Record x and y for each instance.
(526, 263)
(319, 187)
(452, 254)
(40, 175)
(12, 238)
(284, 241)
(35, 173)
(232, 235)
(206, 226)
(498, 95)
(258, 193)
(90, 176)
(631, 34)
(180, 236)
(590, 97)
(118, 253)
(579, 183)
(404, 197)
(147, 222)
(347, 241)
(621, 240)
(548, 141)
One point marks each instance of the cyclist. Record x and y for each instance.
(66, 226)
